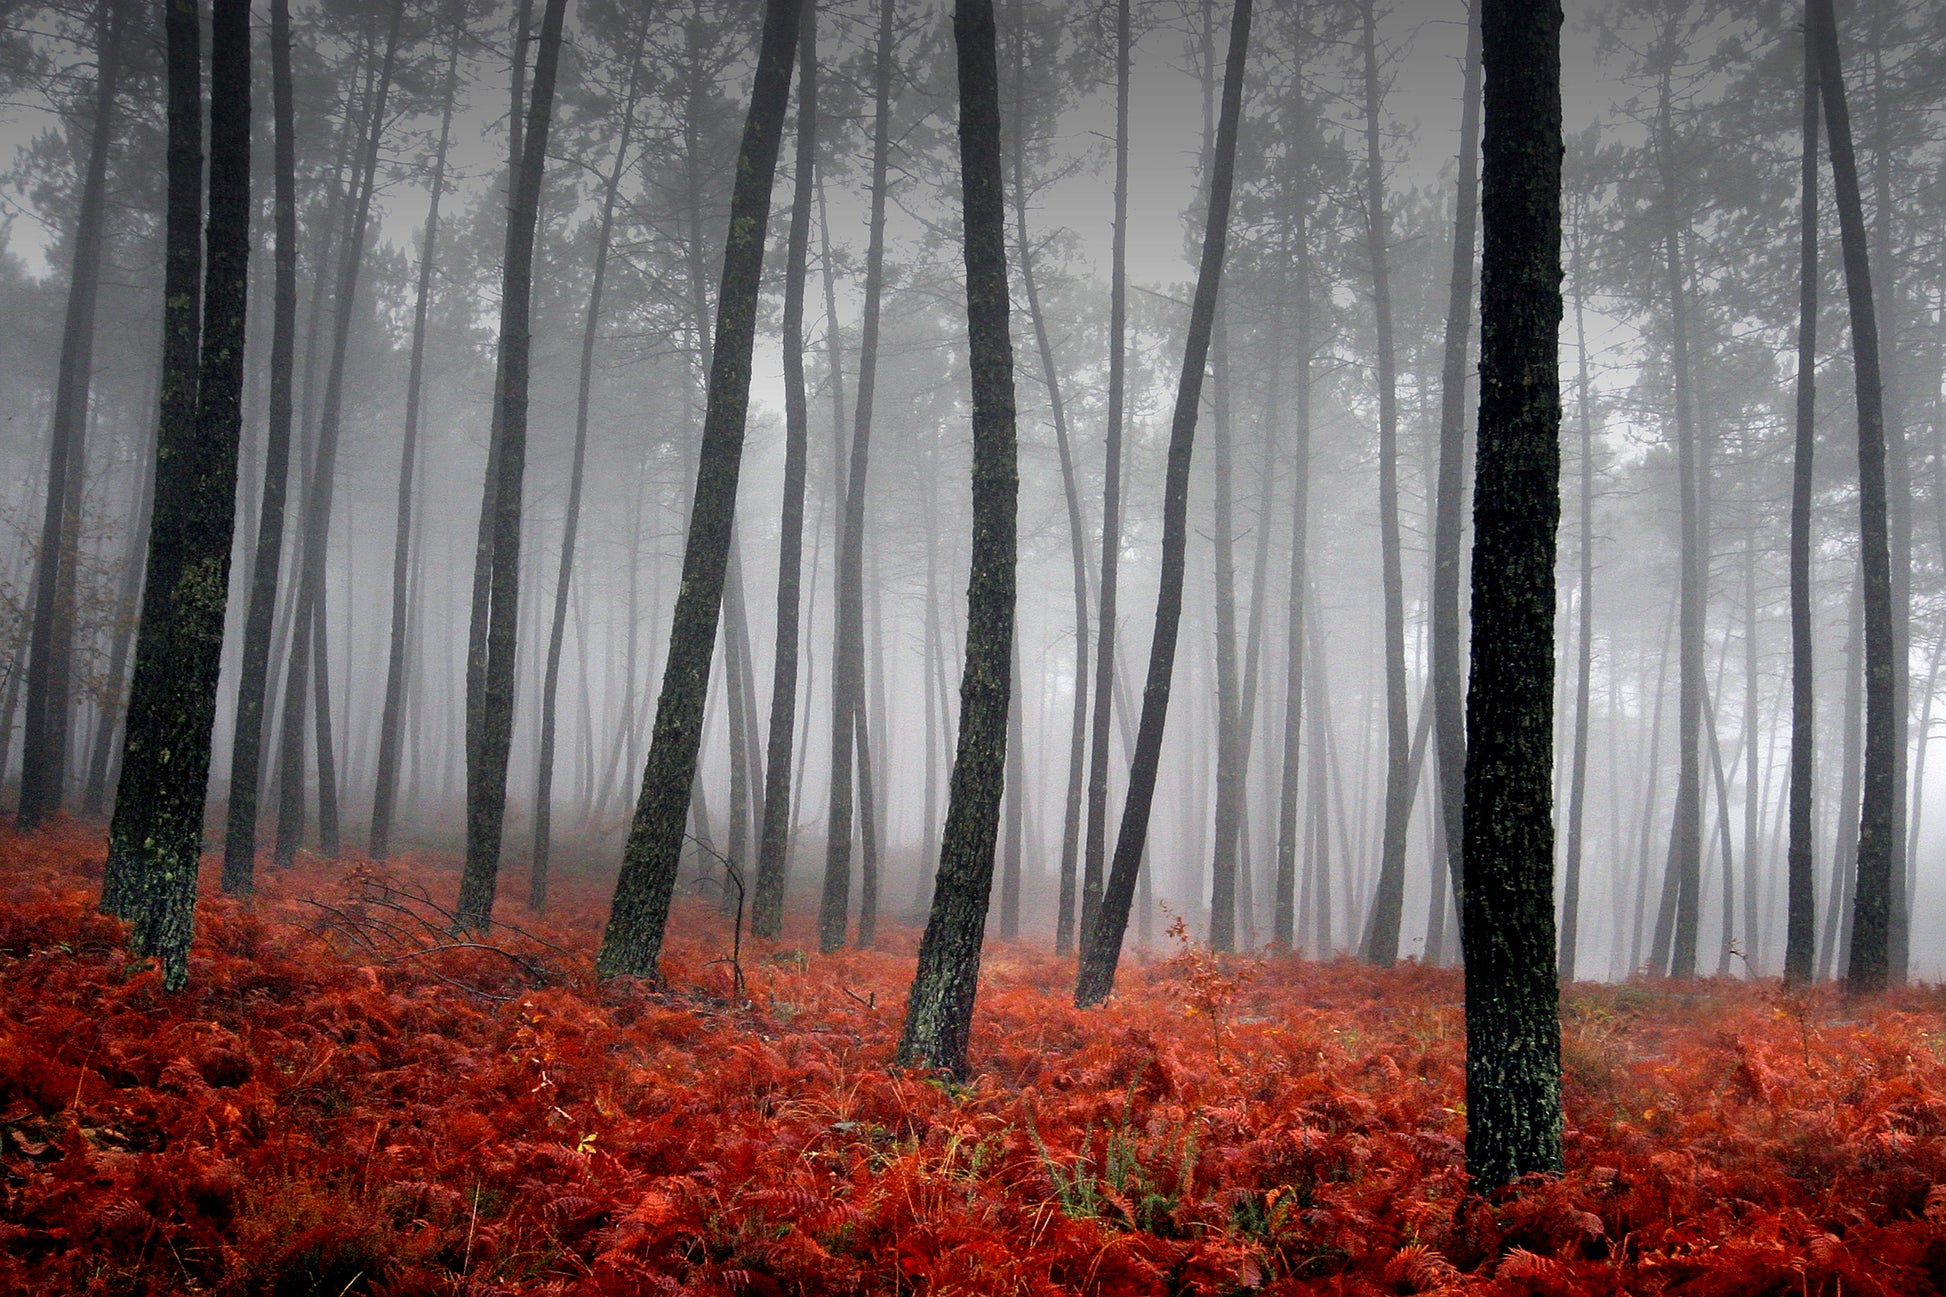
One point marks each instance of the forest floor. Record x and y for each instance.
(339, 1105)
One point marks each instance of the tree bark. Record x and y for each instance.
(1102, 948)
(632, 943)
(155, 839)
(50, 665)
(1381, 944)
(939, 1010)
(1513, 1046)
(774, 838)
(490, 696)
(848, 650)
(564, 574)
(391, 730)
(1869, 967)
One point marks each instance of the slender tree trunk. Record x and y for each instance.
(1879, 832)
(128, 606)
(1102, 948)
(1077, 537)
(1801, 867)
(848, 650)
(584, 390)
(155, 840)
(1381, 944)
(391, 734)
(1095, 845)
(50, 666)
(939, 1010)
(774, 838)
(1284, 926)
(246, 751)
(633, 942)
(1585, 637)
(1844, 847)
(1513, 1049)
(1014, 808)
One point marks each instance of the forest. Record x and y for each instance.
(833, 646)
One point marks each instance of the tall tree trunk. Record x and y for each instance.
(1102, 947)
(391, 732)
(1801, 867)
(1014, 808)
(128, 606)
(1077, 537)
(253, 687)
(633, 941)
(490, 656)
(1676, 926)
(848, 650)
(155, 840)
(1585, 636)
(1878, 828)
(774, 837)
(939, 1010)
(1513, 1043)
(50, 666)
(1446, 648)
(1844, 847)
(306, 665)
(1381, 944)
(584, 389)
(1285, 907)
(1094, 857)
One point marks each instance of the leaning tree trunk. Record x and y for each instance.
(1878, 828)
(246, 747)
(490, 673)
(632, 944)
(848, 649)
(1102, 946)
(1094, 854)
(391, 728)
(1077, 538)
(1447, 650)
(50, 665)
(774, 837)
(124, 888)
(550, 680)
(939, 1010)
(156, 838)
(1381, 944)
(1513, 1042)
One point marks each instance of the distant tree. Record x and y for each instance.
(1102, 947)
(1801, 924)
(155, 840)
(1878, 829)
(1513, 1047)
(491, 646)
(632, 944)
(50, 666)
(939, 1010)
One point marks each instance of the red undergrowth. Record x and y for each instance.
(316, 1116)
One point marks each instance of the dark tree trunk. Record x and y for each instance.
(50, 665)
(155, 840)
(1094, 857)
(633, 942)
(1077, 536)
(1513, 1049)
(1447, 647)
(1878, 827)
(128, 606)
(253, 687)
(127, 885)
(557, 631)
(1229, 789)
(490, 675)
(1014, 809)
(848, 649)
(774, 837)
(391, 729)
(1102, 946)
(939, 1010)
(1585, 633)
(1381, 944)
(1285, 909)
